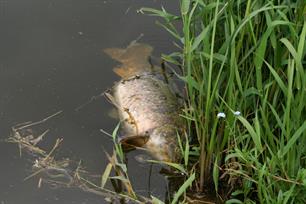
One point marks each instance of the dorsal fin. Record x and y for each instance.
(134, 59)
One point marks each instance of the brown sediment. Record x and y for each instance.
(147, 105)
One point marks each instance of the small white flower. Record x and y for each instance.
(237, 113)
(221, 115)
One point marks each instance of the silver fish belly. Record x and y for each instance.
(149, 107)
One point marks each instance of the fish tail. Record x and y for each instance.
(134, 59)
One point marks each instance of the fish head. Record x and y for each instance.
(163, 144)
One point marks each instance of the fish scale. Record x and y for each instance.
(146, 103)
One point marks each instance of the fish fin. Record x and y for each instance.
(111, 99)
(143, 158)
(114, 53)
(132, 142)
(134, 59)
(123, 71)
(113, 113)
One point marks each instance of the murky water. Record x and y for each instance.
(50, 60)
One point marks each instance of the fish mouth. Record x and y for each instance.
(162, 143)
(130, 143)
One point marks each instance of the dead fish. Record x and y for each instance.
(147, 104)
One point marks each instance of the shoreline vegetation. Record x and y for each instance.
(244, 70)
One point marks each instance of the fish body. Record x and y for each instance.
(147, 105)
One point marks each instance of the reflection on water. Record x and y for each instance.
(51, 59)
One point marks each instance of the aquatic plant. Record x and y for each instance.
(245, 59)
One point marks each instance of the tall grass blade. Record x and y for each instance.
(106, 174)
(293, 139)
(255, 137)
(185, 4)
(183, 188)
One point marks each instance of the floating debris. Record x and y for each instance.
(70, 174)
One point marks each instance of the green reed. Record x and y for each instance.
(246, 60)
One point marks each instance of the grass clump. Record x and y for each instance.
(243, 65)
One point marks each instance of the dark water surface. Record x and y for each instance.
(50, 60)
